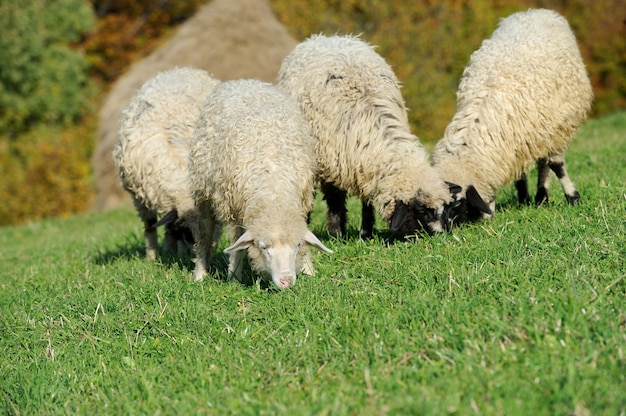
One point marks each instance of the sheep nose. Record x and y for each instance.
(435, 227)
(285, 282)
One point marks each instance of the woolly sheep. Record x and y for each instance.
(352, 101)
(252, 167)
(152, 151)
(521, 99)
(230, 39)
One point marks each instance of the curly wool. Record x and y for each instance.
(351, 98)
(522, 97)
(252, 163)
(152, 151)
(230, 39)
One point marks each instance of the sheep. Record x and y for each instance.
(230, 39)
(352, 101)
(152, 152)
(521, 99)
(251, 166)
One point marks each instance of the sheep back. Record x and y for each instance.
(253, 158)
(352, 101)
(154, 130)
(522, 97)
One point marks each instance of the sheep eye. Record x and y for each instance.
(262, 245)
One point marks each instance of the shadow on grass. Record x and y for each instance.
(134, 248)
(384, 235)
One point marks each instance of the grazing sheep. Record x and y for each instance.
(252, 167)
(352, 101)
(521, 99)
(230, 39)
(152, 151)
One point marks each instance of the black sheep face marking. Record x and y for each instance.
(468, 208)
(415, 217)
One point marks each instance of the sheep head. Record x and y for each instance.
(467, 206)
(277, 258)
(414, 216)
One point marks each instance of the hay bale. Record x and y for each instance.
(230, 38)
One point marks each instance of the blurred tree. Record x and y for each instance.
(47, 83)
(429, 42)
(46, 172)
(52, 50)
(45, 91)
(130, 29)
(42, 78)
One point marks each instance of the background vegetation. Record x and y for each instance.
(521, 315)
(428, 43)
(60, 57)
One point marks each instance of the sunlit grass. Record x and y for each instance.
(521, 315)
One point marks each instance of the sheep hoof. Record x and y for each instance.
(573, 199)
(335, 226)
(151, 255)
(541, 197)
(366, 234)
(198, 274)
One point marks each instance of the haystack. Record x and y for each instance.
(230, 38)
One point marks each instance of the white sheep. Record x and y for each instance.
(252, 167)
(352, 101)
(152, 151)
(521, 99)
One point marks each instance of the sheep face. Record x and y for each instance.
(468, 206)
(277, 259)
(415, 216)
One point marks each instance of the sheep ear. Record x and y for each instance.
(312, 240)
(474, 200)
(168, 218)
(454, 188)
(399, 216)
(242, 243)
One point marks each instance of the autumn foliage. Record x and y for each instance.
(57, 55)
(428, 43)
(129, 29)
(60, 57)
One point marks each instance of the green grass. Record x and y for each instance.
(522, 315)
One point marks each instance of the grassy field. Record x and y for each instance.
(522, 315)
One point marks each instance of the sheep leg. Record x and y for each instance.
(184, 241)
(203, 228)
(235, 260)
(178, 239)
(149, 219)
(522, 190)
(337, 213)
(543, 182)
(170, 240)
(367, 220)
(150, 234)
(557, 164)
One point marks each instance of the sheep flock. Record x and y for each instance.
(197, 154)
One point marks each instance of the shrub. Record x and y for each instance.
(42, 79)
(428, 43)
(128, 29)
(46, 172)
